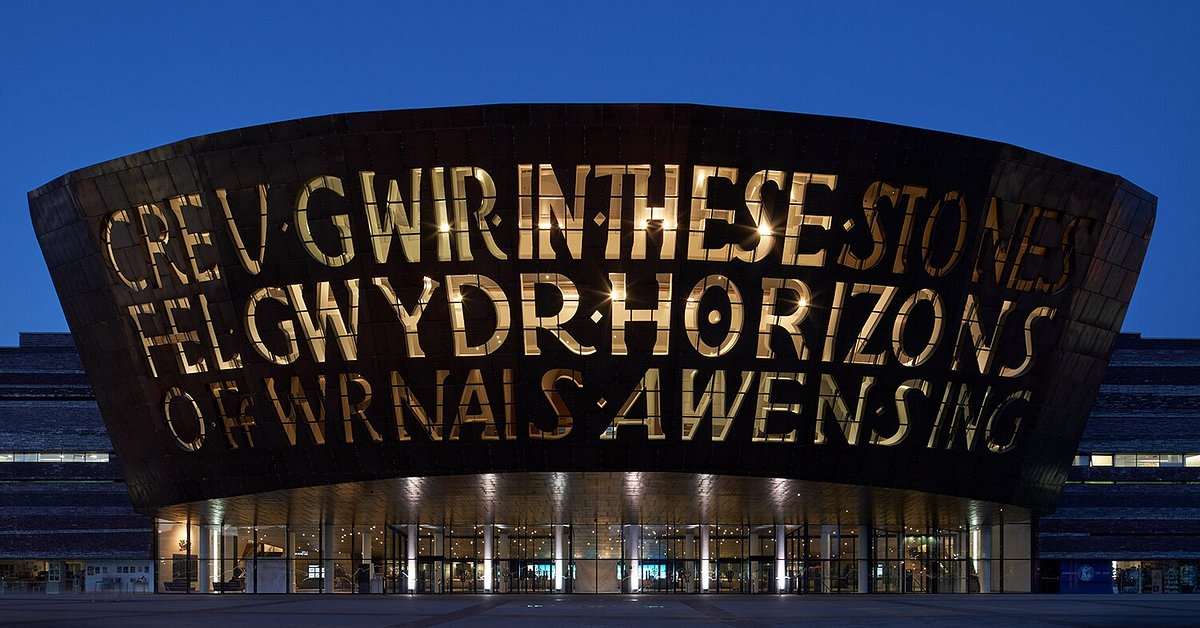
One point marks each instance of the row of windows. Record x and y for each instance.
(53, 456)
(1137, 460)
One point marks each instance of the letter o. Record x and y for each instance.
(926, 241)
(172, 394)
(935, 335)
(691, 316)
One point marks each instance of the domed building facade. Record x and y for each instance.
(593, 348)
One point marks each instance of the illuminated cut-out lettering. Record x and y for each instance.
(328, 318)
(403, 397)
(286, 327)
(234, 361)
(875, 192)
(1028, 247)
(410, 317)
(764, 406)
(299, 402)
(340, 222)
(899, 327)
(616, 192)
(691, 316)
(395, 221)
(764, 230)
(991, 431)
(913, 193)
(903, 413)
(831, 405)
(790, 323)
(645, 217)
(182, 339)
(711, 402)
(564, 421)
(858, 354)
(957, 414)
(525, 211)
(701, 213)
(169, 414)
(798, 218)
(193, 239)
(458, 320)
(647, 390)
(357, 410)
(983, 348)
(659, 315)
(252, 265)
(243, 418)
(121, 216)
(1037, 314)
(960, 235)
(487, 203)
(475, 394)
(552, 323)
(154, 221)
(554, 214)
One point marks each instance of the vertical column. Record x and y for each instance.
(327, 559)
(228, 549)
(780, 558)
(1035, 570)
(365, 562)
(753, 549)
(984, 561)
(203, 556)
(190, 552)
(1000, 566)
(489, 554)
(559, 564)
(689, 553)
(289, 556)
(864, 559)
(214, 551)
(704, 559)
(505, 550)
(252, 569)
(829, 545)
(412, 557)
(632, 537)
(439, 549)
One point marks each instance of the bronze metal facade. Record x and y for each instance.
(590, 291)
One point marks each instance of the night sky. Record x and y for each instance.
(1113, 86)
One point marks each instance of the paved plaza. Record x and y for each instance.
(264, 611)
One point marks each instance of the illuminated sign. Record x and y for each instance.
(649, 295)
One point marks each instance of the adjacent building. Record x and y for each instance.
(66, 520)
(1129, 516)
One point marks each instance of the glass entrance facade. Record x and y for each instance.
(590, 558)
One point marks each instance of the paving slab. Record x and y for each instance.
(534, 611)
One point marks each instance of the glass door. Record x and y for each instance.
(396, 576)
(431, 575)
(669, 576)
(533, 576)
(762, 575)
(656, 576)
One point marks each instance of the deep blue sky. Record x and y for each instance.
(1114, 86)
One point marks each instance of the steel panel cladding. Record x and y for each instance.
(593, 288)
